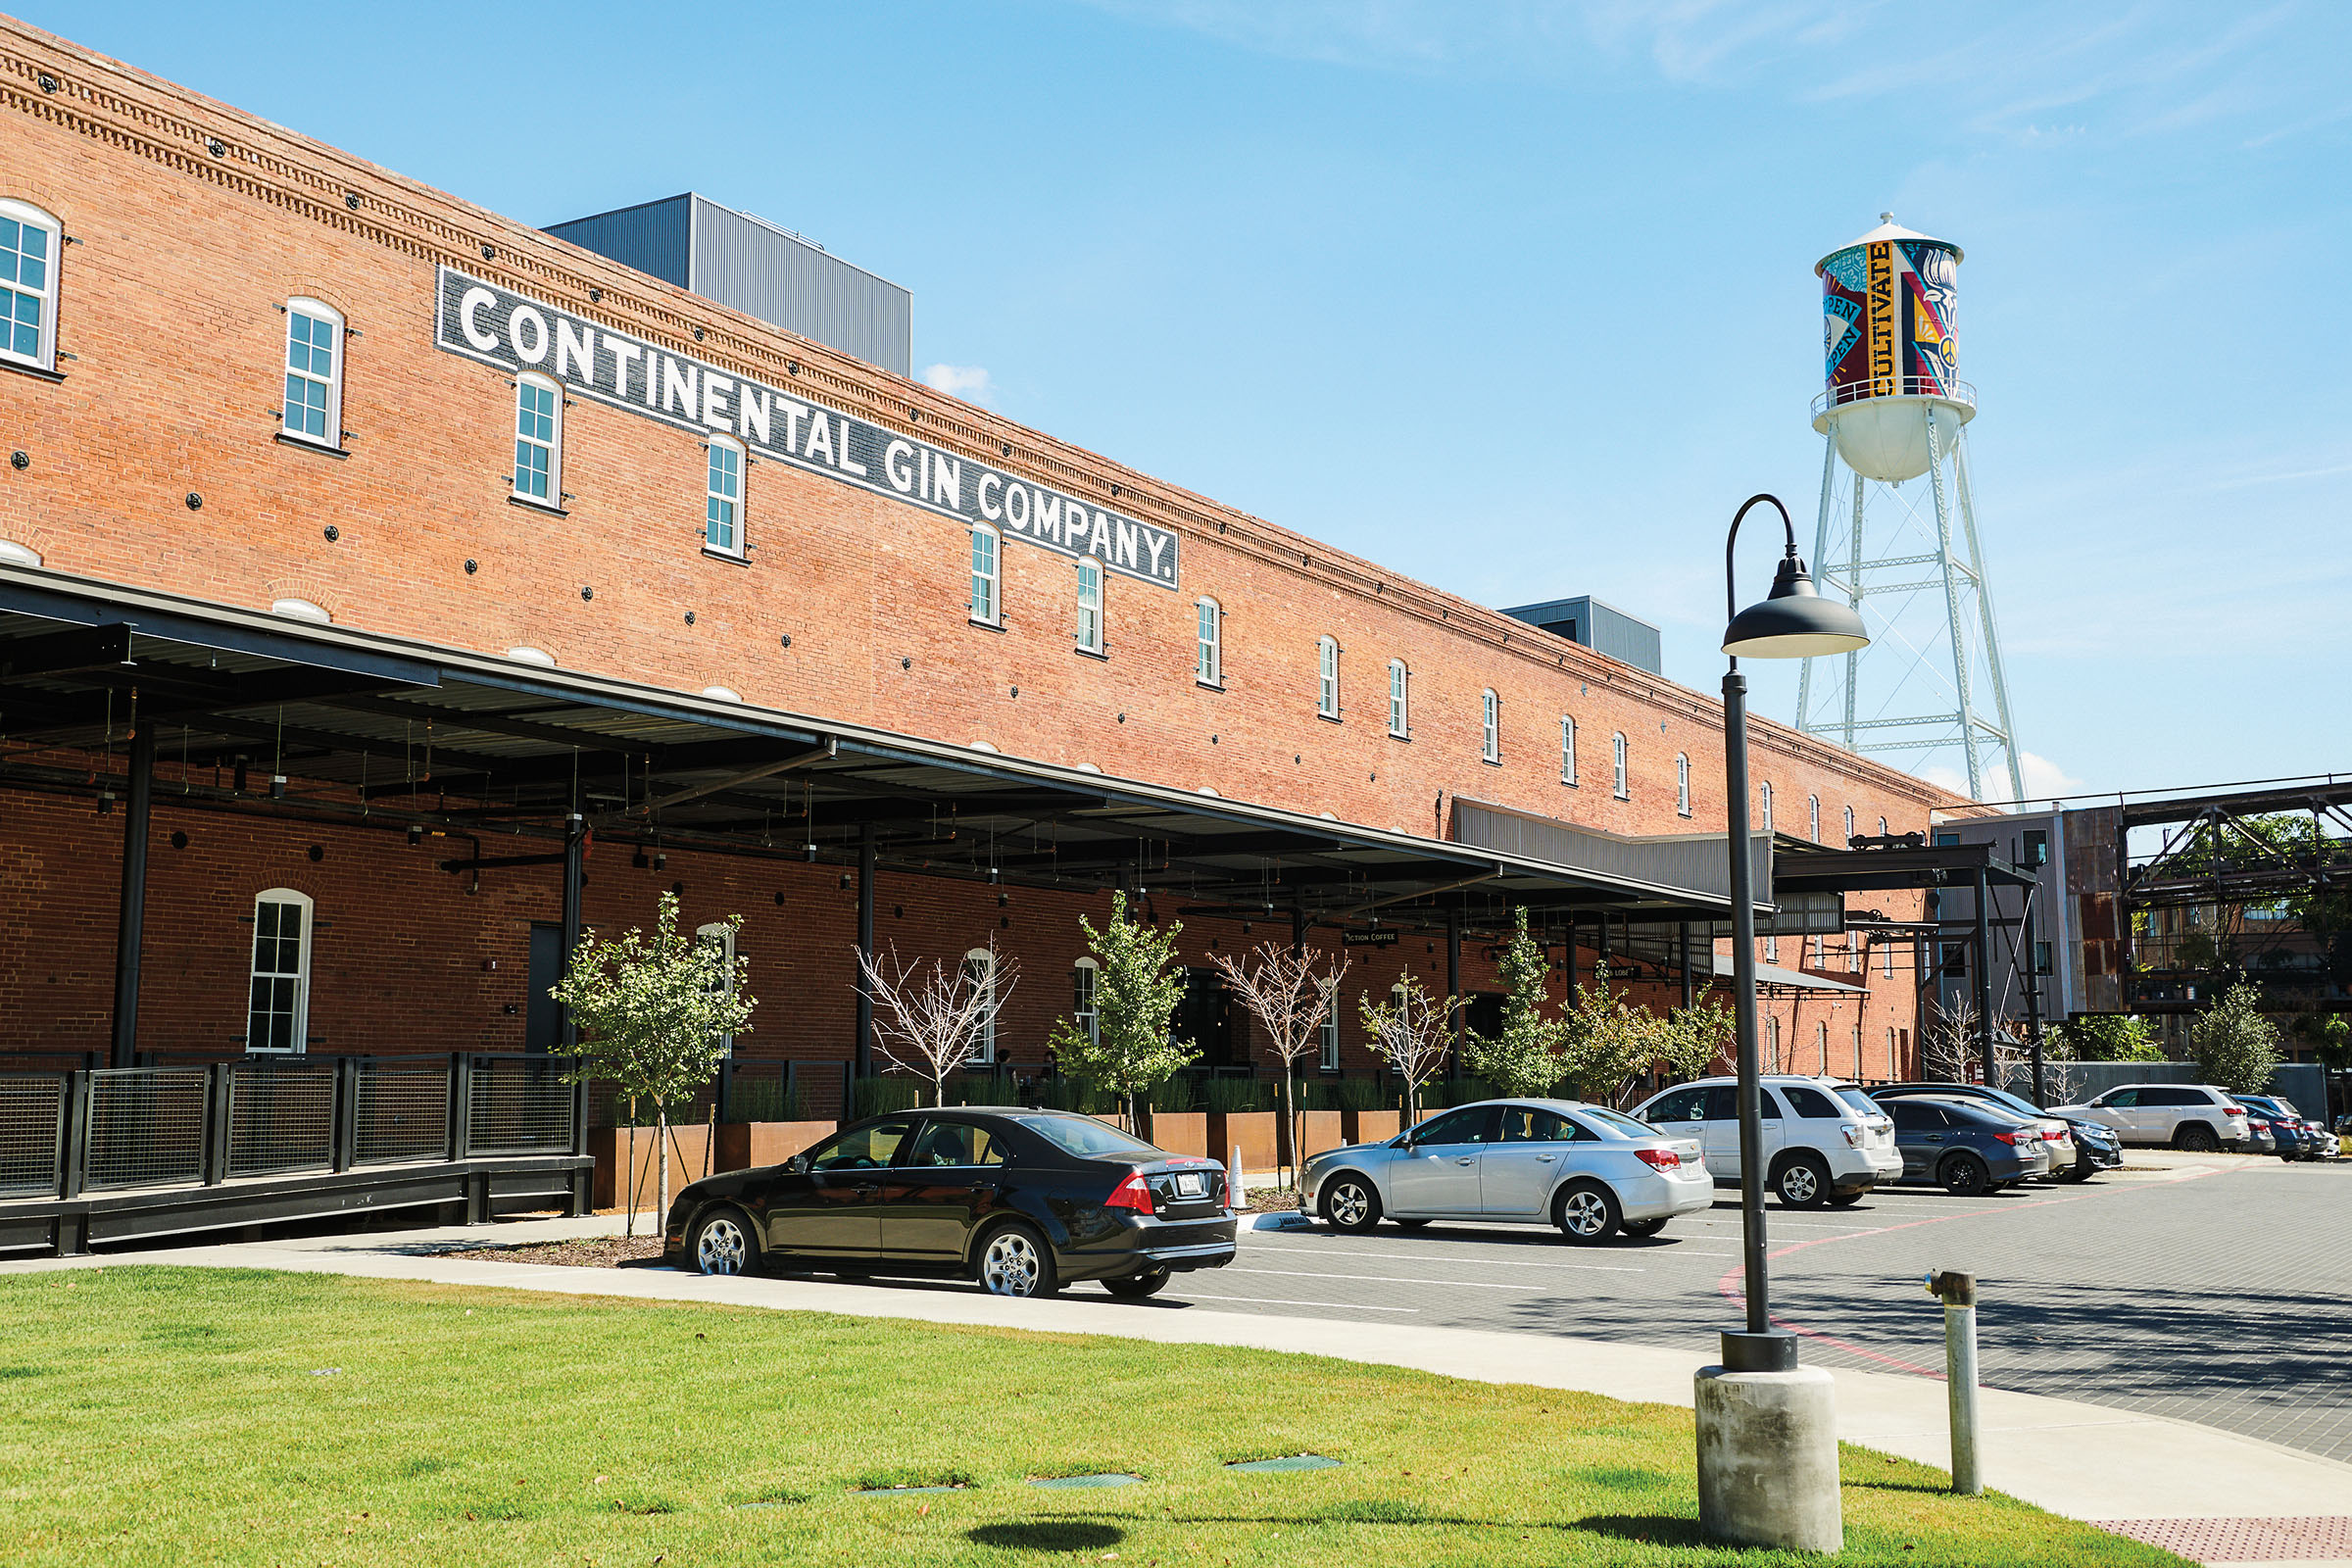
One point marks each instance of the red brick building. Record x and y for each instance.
(263, 397)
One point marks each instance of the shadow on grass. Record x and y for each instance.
(1656, 1530)
(1048, 1535)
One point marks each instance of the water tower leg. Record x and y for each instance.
(1951, 603)
(1992, 638)
(1853, 587)
(1821, 553)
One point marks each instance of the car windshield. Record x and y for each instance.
(1859, 1100)
(1625, 1124)
(2003, 1098)
(1090, 1138)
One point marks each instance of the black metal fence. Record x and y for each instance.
(111, 1129)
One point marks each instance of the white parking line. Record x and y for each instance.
(1270, 1300)
(1429, 1257)
(1396, 1279)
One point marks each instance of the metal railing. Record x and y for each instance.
(1911, 386)
(115, 1129)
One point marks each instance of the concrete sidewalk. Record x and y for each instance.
(2081, 1460)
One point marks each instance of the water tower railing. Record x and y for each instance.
(1912, 386)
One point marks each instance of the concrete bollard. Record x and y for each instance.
(1233, 1182)
(1768, 1458)
(1958, 1293)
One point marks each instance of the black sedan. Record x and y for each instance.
(1025, 1201)
(2096, 1148)
(1965, 1147)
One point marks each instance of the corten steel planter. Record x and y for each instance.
(609, 1147)
(749, 1145)
(1254, 1129)
(1370, 1126)
(1183, 1132)
(1318, 1130)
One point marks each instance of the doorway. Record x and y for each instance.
(542, 1020)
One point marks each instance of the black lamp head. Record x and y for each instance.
(1794, 622)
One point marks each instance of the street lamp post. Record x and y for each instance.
(1767, 1438)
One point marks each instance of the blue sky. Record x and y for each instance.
(1518, 298)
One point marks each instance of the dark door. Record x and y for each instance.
(1205, 1019)
(542, 1019)
(1920, 1132)
(834, 1209)
(938, 1190)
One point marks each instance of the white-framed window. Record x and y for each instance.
(1850, 828)
(1329, 1060)
(1894, 1068)
(1567, 749)
(722, 498)
(988, 583)
(313, 410)
(1772, 1044)
(538, 440)
(1813, 818)
(1772, 951)
(1681, 783)
(1618, 769)
(1208, 660)
(277, 1017)
(980, 972)
(1090, 604)
(1327, 677)
(1821, 1042)
(1084, 975)
(1400, 716)
(1888, 948)
(721, 937)
(1766, 792)
(29, 240)
(1882, 827)
(1490, 726)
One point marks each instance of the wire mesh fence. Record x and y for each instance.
(281, 1118)
(520, 1105)
(31, 1145)
(147, 1127)
(400, 1112)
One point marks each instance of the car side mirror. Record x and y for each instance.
(797, 1165)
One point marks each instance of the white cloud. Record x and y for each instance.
(967, 381)
(2045, 779)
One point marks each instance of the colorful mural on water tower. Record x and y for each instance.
(1887, 318)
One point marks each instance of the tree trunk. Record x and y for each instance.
(1290, 1112)
(628, 1133)
(661, 1162)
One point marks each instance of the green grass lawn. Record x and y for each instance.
(179, 1416)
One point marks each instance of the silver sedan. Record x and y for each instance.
(1589, 1170)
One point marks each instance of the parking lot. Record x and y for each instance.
(2205, 1288)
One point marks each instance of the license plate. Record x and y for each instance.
(1191, 1183)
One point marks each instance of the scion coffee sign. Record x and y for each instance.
(483, 321)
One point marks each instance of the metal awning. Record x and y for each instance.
(390, 732)
(1772, 974)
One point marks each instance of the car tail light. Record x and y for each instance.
(1660, 1158)
(2018, 1137)
(1134, 1192)
(1853, 1135)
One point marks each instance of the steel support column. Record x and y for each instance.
(1683, 944)
(575, 860)
(1983, 977)
(864, 1053)
(1453, 985)
(130, 903)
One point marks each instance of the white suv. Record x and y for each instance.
(2183, 1115)
(1824, 1140)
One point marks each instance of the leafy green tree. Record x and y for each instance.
(2103, 1036)
(1699, 1036)
(1524, 1058)
(1135, 997)
(2331, 1039)
(1609, 1040)
(654, 1015)
(2233, 1044)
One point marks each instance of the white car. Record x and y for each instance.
(1824, 1140)
(2182, 1116)
(1589, 1170)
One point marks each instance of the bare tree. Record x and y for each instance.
(928, 1022)
(1411, 1032)
(1290, 993)
(1949, 1042)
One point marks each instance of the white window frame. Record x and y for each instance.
(1681, 783)
(1328, 1058)
(1490, 726)
(44, 355)
(1327, 677)
(552, 447)
(1401, 695)
(1086, 979)
(1618, 762)
(984, 1048)
(1850, 828)
(317, 313)
(720, 509)
(722, 936)
(1890, 964)
(298, 1039)
(1813, 818)
(985, 607)
(1208, 653)
(1090, 605)
(1568, 751)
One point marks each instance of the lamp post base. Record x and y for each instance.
(1768, 1458)
(1759, 1350)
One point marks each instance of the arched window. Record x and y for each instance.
(278, 1015)
(1090, 604)
(1772, 1044)
(722, 502)
(29, 240)
(1084, 975)
(1397, 715)
(980, 974)
(1821, 1041)
(1882, 827)
(1766, 794)
(1329, 1060)
(1813, 818)
(313, 410)
(1682, 784)
(1617, 756)
(1850, 828)
(722, 937)
(1567, 749)
(1490, 708)
(1327, 678)
(538, 440)
(987, 602)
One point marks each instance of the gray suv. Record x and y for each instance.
(2182, 1116)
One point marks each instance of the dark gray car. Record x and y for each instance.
(1965, 1148)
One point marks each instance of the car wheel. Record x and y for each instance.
(1965, 1176)
(1351, 1205)
(1803, 1182)
(2082, 1170)
(1586, 1212)
(1644, 1227)
(721, 1243)
(1848, 1200)
(2196, 1137)
(1015, 1261)
(1136, 1287)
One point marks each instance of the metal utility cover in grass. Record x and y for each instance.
(1117, 1478)
(1294, 1462)
(902, 1491)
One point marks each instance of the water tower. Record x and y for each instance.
(1893, 409)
